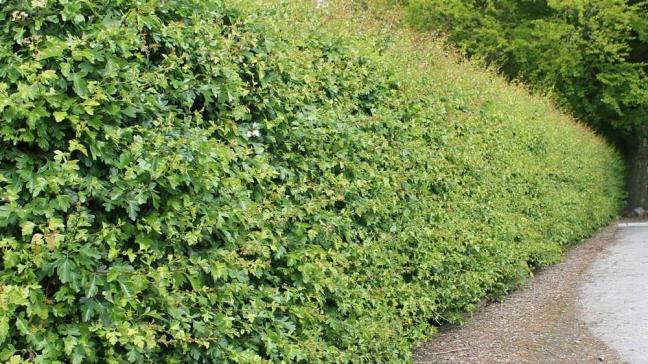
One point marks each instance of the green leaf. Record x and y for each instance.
(124, 287)
(92, 290)
(66, 269)
(75, 145)
(7, 352)
(22, 327)
(60, 116)
(79, 84)
(53, 48)
(132, 208)
(89, 252)
(139, 342)
(195, 281)
(4, 326)
(87, 310)
(129, 111)
(27, 228)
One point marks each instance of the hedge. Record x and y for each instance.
(199, 181)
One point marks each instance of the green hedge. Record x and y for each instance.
(188, 181)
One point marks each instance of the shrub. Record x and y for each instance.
(188, 181)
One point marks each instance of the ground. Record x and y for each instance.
(543, 322)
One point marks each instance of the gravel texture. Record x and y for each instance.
(614, 297)
(539, 323)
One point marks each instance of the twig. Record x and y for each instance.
(447, 352)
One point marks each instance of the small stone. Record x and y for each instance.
(639, 211)
(601, 359)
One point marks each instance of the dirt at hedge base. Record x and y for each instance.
(536, 324)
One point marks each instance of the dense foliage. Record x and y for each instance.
(592, 53)
(189, 181)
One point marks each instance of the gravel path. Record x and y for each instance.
(538, 323)
(614, 298)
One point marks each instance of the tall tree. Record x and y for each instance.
(593, 54)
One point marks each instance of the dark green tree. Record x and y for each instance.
(592, 54)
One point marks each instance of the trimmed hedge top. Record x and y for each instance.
(188, 181)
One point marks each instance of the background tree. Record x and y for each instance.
(592, 54)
